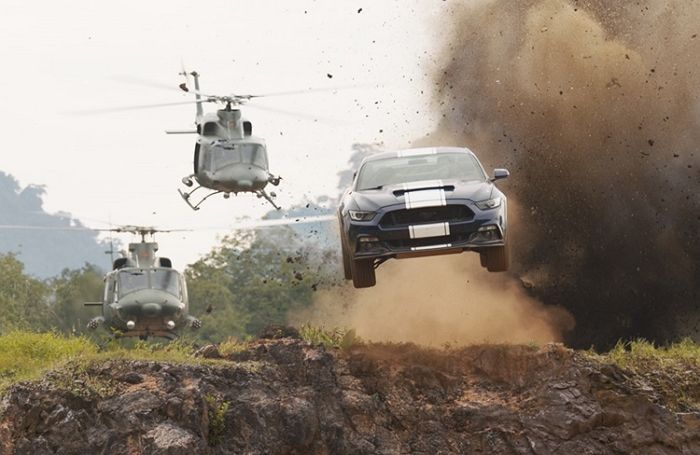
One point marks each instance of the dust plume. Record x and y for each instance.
(594, 107)
(439, 300)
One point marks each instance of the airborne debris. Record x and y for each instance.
(607, 304)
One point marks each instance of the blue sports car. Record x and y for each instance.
(421, 202)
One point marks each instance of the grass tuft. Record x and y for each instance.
(641, 352)
(333, 338)
(27, 355)
(673, 371)
(230, 346)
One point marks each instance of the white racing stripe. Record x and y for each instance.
(429, 230)
(425, 198)
(430, 247)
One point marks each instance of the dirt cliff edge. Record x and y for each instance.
(288, 396)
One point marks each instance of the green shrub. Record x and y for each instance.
(333, 338)
(26, 355)
(217, 419)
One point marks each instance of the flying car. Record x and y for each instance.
(421, 202)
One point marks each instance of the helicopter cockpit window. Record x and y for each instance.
(130, 281)
(225, 154)
(166, 280)
(209, 129)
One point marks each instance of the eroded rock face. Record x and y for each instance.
(284, 396)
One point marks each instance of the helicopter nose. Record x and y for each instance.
(151, 309)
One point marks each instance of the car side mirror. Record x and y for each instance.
(500, 174)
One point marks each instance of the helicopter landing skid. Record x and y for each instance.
(186, 197)
(146, 334)
(262, 193)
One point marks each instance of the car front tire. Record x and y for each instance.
(363, 275)
(347, 260)
(497, 258)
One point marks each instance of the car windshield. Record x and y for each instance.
(224, 154)
(397, 170)
(136, 280)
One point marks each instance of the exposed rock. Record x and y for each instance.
(276, 332)
(210, 351)
(286, 396)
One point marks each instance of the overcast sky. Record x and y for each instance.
(63, 57)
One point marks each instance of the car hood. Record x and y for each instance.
(372, 200)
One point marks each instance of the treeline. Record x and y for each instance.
(250, 280)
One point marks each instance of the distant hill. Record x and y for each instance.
(44, 252)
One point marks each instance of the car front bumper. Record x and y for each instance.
(371, 239)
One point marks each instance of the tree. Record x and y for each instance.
(254, 279)
(70, 291)
(23, 300)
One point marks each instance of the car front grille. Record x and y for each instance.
(426, 215)
(418, 243)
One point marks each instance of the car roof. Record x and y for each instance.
(418, 151)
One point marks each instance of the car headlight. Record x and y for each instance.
(490, 204)
(360, 215)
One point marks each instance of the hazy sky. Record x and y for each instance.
(63, 57)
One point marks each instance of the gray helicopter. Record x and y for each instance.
(227, 157)
(144, 296)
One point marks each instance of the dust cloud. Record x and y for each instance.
(594, 107)
(437, 301)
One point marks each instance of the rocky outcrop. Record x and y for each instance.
(284, 396)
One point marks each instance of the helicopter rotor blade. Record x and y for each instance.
(240, 225)
(241, 99)
(246, 224)
(313, 118)
(126, 228)
(305, 91)
(137, 107)
(48, 228)
(145, 83)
